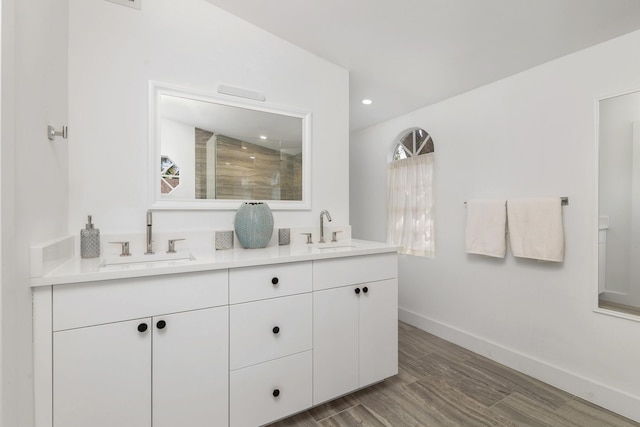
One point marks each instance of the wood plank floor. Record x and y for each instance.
(442, 384)
(628, 309)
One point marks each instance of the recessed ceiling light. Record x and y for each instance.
(252, 157)
(263, 137)
(367, 101)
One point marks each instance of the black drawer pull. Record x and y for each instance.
(274, 281)
(365, 289)
(161, 324)
(357, 290)
(276, 330)
(142, 327)
(276, 393)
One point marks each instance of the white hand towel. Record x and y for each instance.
(535, 228)
(486, 221)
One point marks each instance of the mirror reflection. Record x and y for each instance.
(227, 152)
(619, 203)
(212, 153)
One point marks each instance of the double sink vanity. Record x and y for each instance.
(202, 337)
(238, 337)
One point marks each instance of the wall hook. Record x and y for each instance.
(52, 132)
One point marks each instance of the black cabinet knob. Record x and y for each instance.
(274, 281)
(142, 327)
(276, 329)
(161, 324)
(276, 393)
(357, 291)
(365, 289)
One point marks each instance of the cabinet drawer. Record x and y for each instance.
(336, 272)
(85, 304)
(253, 337)
(269, 391)
(269, 281)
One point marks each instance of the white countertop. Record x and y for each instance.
(87, 270)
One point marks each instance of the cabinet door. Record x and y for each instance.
(191, 368)
(378, 331)
(101, 375)
(335, 343)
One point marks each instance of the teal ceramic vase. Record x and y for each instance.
(254, 225)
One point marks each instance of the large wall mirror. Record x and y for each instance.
(619, 203)
(207, 152)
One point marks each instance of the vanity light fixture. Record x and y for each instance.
(242, 93)
(367, 101)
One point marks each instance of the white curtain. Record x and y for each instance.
(410, 205)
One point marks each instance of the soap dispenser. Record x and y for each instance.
(89, 241)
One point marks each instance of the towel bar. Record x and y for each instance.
(564, 201)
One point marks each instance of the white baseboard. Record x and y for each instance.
(592, 391)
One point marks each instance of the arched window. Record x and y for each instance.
(410, 222)
(412, 142)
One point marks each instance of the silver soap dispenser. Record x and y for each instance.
(89, 241)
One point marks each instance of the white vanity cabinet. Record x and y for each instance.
(355, 335)
(270, 342)
(233, 345)
(169, 368)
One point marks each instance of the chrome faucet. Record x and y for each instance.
(324, 212)
(149, 234)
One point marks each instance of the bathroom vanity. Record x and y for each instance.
(239, 338)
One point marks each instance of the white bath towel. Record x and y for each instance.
(486, 221)
(535, 228)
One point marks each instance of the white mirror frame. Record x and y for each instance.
(596, 209)
(157, 90)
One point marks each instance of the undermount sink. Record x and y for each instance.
(177, 258)
(335, 246)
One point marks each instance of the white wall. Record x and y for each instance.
(34, 176)
(2, 61)
(102, 62)
(532, 134)
(114, 51)
(616, 153)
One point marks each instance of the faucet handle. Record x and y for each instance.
(124, 251)
(334, 236)
(309, 241)
(172, 245)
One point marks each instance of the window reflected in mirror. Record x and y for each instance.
(169, 175)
